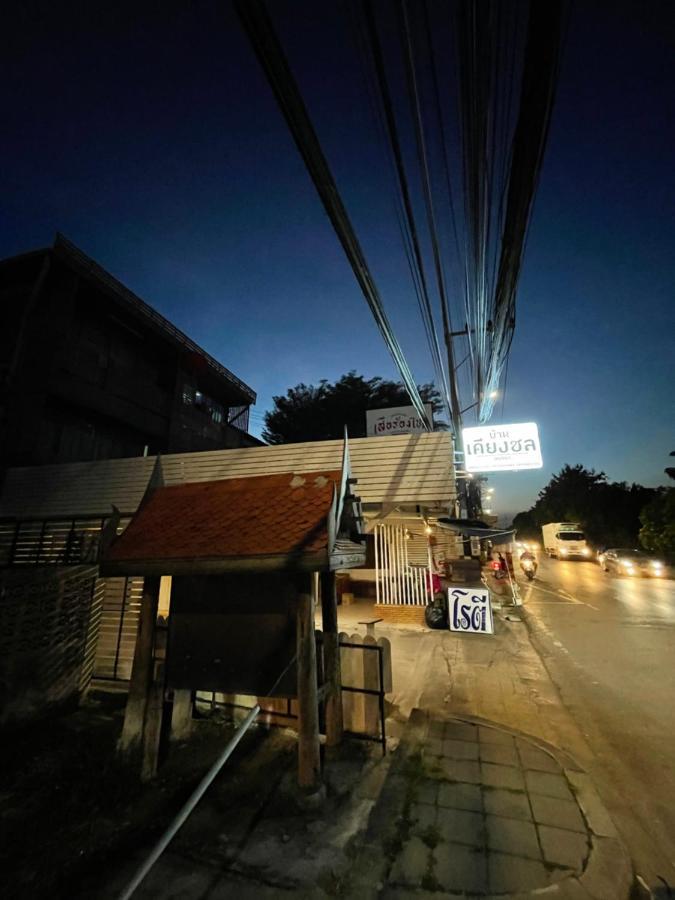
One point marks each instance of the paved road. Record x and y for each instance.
(609, 644)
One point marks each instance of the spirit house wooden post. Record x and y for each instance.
(331, 659)
(142, 671)
(309, 751)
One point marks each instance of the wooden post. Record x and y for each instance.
(331, 659)
(181, 716)
(154, 709)
(309, 759)
(141, 671)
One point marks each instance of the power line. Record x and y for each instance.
(260, 31)
(411, 237)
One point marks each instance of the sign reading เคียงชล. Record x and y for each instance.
(396, 420)
(502, 448)
(470, 610)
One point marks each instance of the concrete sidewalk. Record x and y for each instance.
(474, 799)
(480, 798)
(471, 809)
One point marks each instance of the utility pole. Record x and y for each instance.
(462, 488)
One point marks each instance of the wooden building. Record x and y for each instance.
(89, 371)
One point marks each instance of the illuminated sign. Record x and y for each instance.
(396, 420)
(502, 448)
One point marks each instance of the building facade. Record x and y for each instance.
(89, 371)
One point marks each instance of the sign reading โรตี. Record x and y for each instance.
(470, 610)
(396, 420)
(502, 448)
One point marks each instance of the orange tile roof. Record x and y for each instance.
(265, 515)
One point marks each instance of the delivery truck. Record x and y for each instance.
(565, 540)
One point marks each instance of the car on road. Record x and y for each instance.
(631, 562)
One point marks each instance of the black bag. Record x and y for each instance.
(435, 615)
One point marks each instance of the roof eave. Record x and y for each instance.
(91, 269)
(290, 562)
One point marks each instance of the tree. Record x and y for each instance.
(658, 521)
(527, 526)
(658, 524)
(608, 512)
(320, 412)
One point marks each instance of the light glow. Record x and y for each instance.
(502, 448)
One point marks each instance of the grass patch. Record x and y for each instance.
(431, 836)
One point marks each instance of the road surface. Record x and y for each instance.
(609, 644)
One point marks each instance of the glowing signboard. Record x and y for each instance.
(502, 448)
(396, 420)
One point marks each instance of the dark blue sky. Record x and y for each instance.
(151, 140)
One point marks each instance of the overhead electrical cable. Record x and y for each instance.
(260, 31)
(429, 206)
(409, 218)
(540, 73)
(461, 258)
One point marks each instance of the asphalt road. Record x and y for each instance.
(609, 645)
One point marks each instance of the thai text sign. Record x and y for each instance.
(396, 420)
(502, 448)
(470, 610)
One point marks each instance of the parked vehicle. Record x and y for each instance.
(632, 562)
(565, 540)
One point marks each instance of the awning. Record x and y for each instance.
(476, 528)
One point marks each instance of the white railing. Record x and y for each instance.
(397, 581)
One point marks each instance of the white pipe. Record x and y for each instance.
(377, 565)
(197, 795)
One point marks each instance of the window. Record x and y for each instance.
(571, 536)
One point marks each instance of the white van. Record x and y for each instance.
(565, 540)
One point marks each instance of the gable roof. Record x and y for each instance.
(269, 521)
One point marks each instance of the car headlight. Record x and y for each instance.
(657, 565)
(585, 551)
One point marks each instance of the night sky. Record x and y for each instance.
(149, 137)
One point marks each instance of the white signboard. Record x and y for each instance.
(470, 610)
(502, 448)
(396, 420)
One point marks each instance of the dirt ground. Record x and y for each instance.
(76, 822)
(70, 810)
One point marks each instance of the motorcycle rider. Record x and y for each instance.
(528, 561)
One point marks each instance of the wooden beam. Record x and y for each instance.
(181, 716)
(331, 659)
(141, 671)
(154, 710)
(309, 755)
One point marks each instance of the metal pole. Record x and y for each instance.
(377, 565)
(180, 819)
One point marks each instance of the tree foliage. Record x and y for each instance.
(658, 524)
(609, 512)
(320, 412)
(658, 521)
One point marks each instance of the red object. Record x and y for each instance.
(436, 585)
(495, 564)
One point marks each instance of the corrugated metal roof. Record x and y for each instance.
(398, 470)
